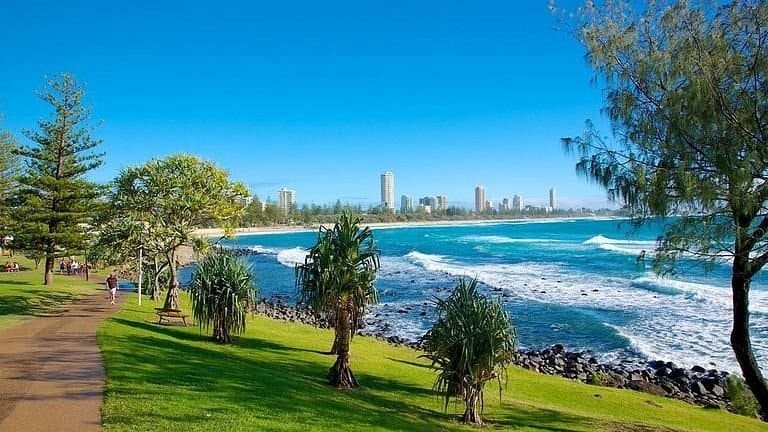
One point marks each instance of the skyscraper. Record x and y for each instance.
(286, 199)
(517, 203)
(552, 199)
(406, 204)
(388, 190)
(479, 199)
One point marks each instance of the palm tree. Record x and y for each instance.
(337, 280)
(222, 292)
(471, 343)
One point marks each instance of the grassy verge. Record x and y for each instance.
(273, 379)
(23, 295)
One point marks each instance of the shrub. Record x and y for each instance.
(222, 292)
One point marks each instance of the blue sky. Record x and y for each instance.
(320, 97)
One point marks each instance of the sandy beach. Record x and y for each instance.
(279, 229)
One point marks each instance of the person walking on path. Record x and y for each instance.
(112, 286)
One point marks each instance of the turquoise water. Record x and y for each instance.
(575, 282)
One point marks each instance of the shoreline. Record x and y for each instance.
(286, 229)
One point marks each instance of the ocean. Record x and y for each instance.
(577, 282)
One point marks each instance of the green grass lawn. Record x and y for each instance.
(163, 378)
(23, 295)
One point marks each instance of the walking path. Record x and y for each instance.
(51, 370)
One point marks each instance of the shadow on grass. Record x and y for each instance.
(168, 368)
(409, 363)
(39, 302)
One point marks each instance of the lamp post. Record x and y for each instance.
(141, 276)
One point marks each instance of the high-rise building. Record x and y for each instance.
(441, 203)
(286, 199)
(552, 199)
(517, 203)
(479, 199)
(406, 204)
(388, 190)
(504, 205)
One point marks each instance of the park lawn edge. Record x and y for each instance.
(274, 378)
(23, 296)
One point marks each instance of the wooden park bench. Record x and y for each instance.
(167, 314)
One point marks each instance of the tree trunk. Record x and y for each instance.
(220, 333)
(172, 298)
(471, 414)
(336, 337)
(340, 374)
(740, 339)
(49, 263)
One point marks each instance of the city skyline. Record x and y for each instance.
(446, 97)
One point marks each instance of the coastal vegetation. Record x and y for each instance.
(53, 204)
(471, 343)
(337, 281)
(267, 380)
(158, 206)
(686, 96)
(222, 293)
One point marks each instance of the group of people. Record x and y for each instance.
(11, 266)
(71, 267)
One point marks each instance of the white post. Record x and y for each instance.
(141, 249)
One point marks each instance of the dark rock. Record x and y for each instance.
(698, 388)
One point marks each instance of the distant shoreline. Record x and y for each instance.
(284, 229)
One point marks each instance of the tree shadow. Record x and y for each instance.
(283, 381)
(410, 363)
(39, 303)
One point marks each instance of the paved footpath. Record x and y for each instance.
(51, 370)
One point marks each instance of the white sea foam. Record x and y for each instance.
(264, 250)
(630, 247)
(292, 257)
(685, 322)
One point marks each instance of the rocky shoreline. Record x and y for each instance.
(697, 385)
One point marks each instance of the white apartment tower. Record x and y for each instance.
(479, 199)
(517, 203)
(388, 190)
(552, 199)
(286, 199)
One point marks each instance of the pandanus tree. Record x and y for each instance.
(337, 280)
(471, 343)
(222, 293)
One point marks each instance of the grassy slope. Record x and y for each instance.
(23, 295)
(273, 378)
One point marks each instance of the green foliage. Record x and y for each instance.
(159, 205)
(337, 280)
(222, 293)
(471, 343)
(10, 167)
(742, 400)
(55, 202)
(340, 269)
(687, 97)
